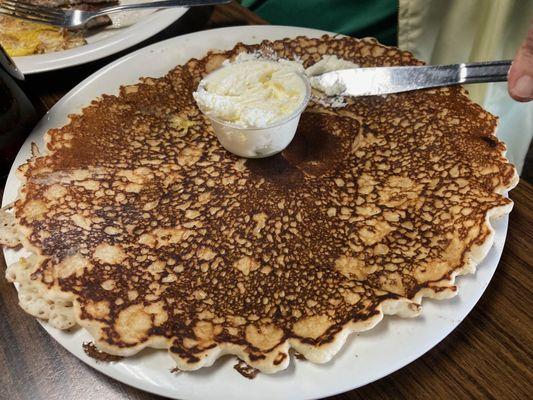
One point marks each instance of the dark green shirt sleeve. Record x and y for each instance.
(358, 18)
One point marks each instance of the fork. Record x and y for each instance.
(77, 19)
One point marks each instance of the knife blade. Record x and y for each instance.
(387, 80)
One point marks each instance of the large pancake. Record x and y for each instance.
(149, 234)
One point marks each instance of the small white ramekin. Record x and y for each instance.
(251, 142)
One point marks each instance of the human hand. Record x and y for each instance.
(520, 77)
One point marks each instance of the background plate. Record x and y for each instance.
(368, 356)
(128, 29)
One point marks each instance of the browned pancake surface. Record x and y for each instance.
(162, 238)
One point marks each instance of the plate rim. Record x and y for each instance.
(503, 228)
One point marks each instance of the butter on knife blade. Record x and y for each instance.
(386, 80)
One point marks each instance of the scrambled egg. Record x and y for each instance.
(23, 38)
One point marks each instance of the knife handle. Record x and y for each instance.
(487, 71)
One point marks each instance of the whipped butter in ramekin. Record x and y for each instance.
(254, 106)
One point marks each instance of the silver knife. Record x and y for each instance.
(386, 80)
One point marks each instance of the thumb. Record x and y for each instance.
(521, 73)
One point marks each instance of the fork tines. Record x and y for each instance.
(30, 12)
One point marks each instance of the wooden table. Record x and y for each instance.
(488, 356)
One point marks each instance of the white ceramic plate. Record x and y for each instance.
(128, 29)
(394, 343)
